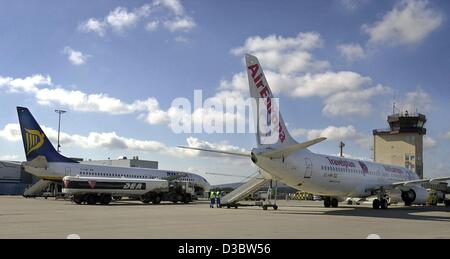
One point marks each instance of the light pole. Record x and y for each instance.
(59, 124)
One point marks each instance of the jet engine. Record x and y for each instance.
(415, 195)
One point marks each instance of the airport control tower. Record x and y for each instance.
(402, 143)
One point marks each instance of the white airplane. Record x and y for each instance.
(334, 178)
(46, 163)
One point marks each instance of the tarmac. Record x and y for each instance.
(41, 218)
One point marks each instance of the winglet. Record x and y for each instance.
(283, 152)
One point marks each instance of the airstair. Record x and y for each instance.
(244, 190)
(36, 189)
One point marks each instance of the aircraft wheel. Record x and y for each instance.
(91, 199)
(264, 207)
(327, 202)
(105, 199)
(275, 207)
(156, 200)
(376, 204)
(78, 199)
(334, 203)
(384, 204)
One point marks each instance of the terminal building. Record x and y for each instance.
(402, 143)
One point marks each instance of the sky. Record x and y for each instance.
(116, 66)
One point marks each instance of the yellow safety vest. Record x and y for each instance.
(212, 195)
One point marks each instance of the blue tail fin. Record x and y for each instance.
(35, 141)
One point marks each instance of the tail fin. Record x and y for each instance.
(35, 141)
(259, 88)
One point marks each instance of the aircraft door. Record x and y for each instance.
(308, 168)
(67, 171)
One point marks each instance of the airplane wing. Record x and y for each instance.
(410, 183)
(5, 163)
(283, 152)
(234, 153)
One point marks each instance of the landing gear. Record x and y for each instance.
(334, 203)
(156, 199)
(105, 199)
(376, 204)
(91, 199)
(380, 204)
(327, 202)
(384, 204)
(78, 199)
(330, 202)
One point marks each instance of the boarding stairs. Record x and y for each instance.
(244, 190)
(36, 189)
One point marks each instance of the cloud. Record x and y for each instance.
(223, 146)
(291, 69)
(334, 133)
(75, 57)
(112, 141)
(120, 19)
(353, 102)
(419, 100)
(152, 26)
(45, 93)
(180, 24)
(409, 22)
(93, 25)
(429, 142)
(352, 5)
(182, 39)
(174, 5)
(447, 135)
(10, 132)
(170, 12)
(351, 51)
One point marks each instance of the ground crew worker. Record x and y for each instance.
(218, 199)
(212, 197)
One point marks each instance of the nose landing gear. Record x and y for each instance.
(330, 202)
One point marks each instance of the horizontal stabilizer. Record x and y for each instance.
(233, 153)
(283, 152)
(38, 162)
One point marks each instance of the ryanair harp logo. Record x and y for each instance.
(34, 140)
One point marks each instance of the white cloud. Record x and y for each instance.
(334, 133)
(93, 25)
(351, 51)
(303, 41)
(447, 135)
(121, 19)
(46, 93)
(180, 24)
(353, 102)
(352, 5)
(429, 142)
(291, 69)
(152, 25)
(223, 146)
(174, 5)
(419, 100)
(181, 39)
(409, 22)
(75, 57)
(112, 141)
(10, 132)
